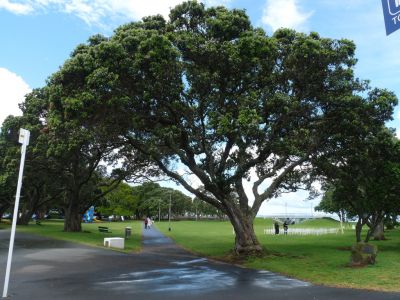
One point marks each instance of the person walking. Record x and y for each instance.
(276, 226)
(146, 222)
(285, 226)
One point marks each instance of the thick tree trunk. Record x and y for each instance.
(379, 234)
(73, 218)
(27, 211)
(375, 224)
(359, 226)
(341, 218)
(25, 217)
(246, 241)
(32, 203)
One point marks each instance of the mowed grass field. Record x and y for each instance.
(319, 259)
(90, 234)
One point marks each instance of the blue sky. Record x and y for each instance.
(37, 36)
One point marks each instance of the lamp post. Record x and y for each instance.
(24, 140)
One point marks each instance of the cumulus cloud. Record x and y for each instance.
(94, 12)
(284, 13)
(16, 8)
(12, 91)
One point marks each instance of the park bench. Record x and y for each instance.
(104, 229)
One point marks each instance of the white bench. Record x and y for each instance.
(114, 242)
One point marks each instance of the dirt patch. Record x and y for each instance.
(235, 259)
(344, 248)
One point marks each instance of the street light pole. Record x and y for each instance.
(169, 214)
(24, 140)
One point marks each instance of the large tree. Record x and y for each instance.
(83, 131)
(40, 185)
(207, 96)
(8, 164)
(223, 99)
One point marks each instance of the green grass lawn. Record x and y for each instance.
(319, 259)
(90, 234)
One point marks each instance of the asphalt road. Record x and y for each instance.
(49, 269)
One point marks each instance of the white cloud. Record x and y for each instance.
(95, 12)
(16, 8)
(216, 2)
(284, 13)
(189, 177)
(142, 8)
(12, 91)
(290, 204)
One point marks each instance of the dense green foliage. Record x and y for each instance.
(120, 201)
(208, 91)
(365, 182)
(41, 180)
(148, 199)
(204, 97)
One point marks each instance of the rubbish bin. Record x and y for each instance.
(128, 231)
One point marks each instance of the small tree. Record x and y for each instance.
(366, 182)
(329, 205)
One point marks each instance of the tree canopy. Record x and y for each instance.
(207, 96)
(364, 181)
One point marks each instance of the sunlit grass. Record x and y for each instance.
(319, 259)
(90, 234)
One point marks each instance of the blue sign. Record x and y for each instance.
(391, 12)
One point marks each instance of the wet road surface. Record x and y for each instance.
(48, 269)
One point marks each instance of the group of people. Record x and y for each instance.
(147, 223)
(285, 227)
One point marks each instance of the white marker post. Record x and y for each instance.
(24, 140)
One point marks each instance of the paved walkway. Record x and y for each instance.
(49, 269)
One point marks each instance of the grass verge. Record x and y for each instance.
(90, 235)
(318, 259)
